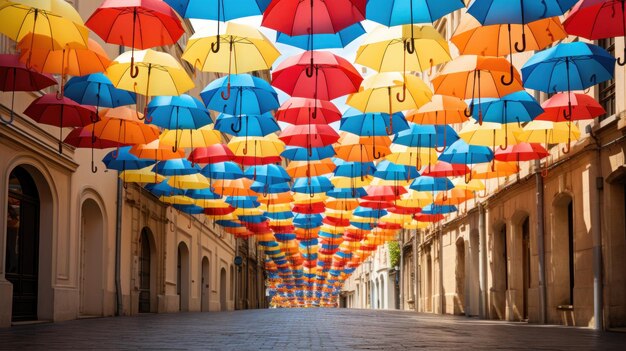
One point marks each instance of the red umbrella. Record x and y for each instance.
(582, 107)
(298, 17)
(380, 205)
(444, 169)
(211, 154)
(317, 135)
(257, 160)
(317, 75)
(598, 19)
(301, 111)
(338, 222)
(15, 76)
(404, 210)
(139, 24)
(64, 112)
(432, 218)
(219, 211)
(316, 207)
(384, 192)
(81, 138)
(522, 152)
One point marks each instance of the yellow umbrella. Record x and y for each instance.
(159, 74)
(144, 175)
(177, 200)
(234, 187)
(549, 133)
(247, 50)
(383, 182)
(267, 146)
(412, 156)
(415, 199)
(453, 197)
(284, 207)
(305, 199)
(207, 203)
(190, 138)
(191, 181)
(490, 134)
(415, 225)
(384, 49)
(472, 185)
(346, 204)
(347, 182)
(56, 22)
(495, 170)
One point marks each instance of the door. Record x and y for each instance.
(204, 295)
(144, 273)
(223, 306)
(526, 263)
(22, 251)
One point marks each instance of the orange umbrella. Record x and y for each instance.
(122, 125)
(301, 169)
(453, 197)
(353, 148)
(155, 150)
(440, 110)
(274, 199)
(234, 187)
(496, 170)
(475, 77)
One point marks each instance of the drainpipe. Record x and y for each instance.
(541, 252)
(482, 263)
(596, 227)
(118, 248)
(441, 291)
(401, 270)
(415, 272)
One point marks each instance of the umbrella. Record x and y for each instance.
(372, 124)
(312, 185)
(462, 153)
(428, 136)
(257, 150)
(337, 40)
(397, 12)
(189, 181)
(253, 95)
(490, 134)
(178, 112)
(234, 187)
(247, 125)
(472, 38)
(218, 10)
(97, 90)
(222, 170)
(15, 76)
(176, 167)
(445, 169)
(489, 12)
(598, 19)
(304, 154)
(190, 138)
(390, 171)
(476, 77)
(453, 197)
(431, 184)
(144, 175)
(300, 169)
(123, 159)
(124, 126)
(268, 174)
(522, 152)
(549, 132)
(64, 112)
(412, 156)
(164, 189)
(211, 154)
(353, 148)
(440, 110)
(583, 107)
(157, 151)
(55, 22)
(403, 48)
(297, 17)
(497, 170)
(82, 138)
(300, 111)
(138, 24)
(317, 135)
(316, 75)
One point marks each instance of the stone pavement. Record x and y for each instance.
(313, 329)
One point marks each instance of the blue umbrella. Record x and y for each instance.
(218, 10)
(267, 174)
(202, 194)
(489, 12)
(302, 153)
(178, 112)
(248, 125)
(372, 124)
(567, 67)
(242, 201)
(252, 95)
(222, 170)
(433, 209)
(390, 171)
(263, 188)
(176, 167)
(367, 212)
(97, 90)
(425, 183)
(462, 153)
(353, 169)
(277, 216)
(347, 193)
(397, 12)
(426, 135)
(164, 189)
(323, 41)
(189, 209)
(122, 159)
(312, 185)
(307, 221)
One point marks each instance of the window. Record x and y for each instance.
(606, 90)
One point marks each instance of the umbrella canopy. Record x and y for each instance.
(82, 138)
(155, 150)
(517, 107)
(178, 112)
(222, 170)
(144, 175)
(299, 169)
(490, 134)
(387, 170)
(125, 130)
(462, 153)
(384, 49)
(122, 159)
(317, 75)
(440, 110)
(163, 189)
(96, 89)
(218, 10)
(190, 138)
(583, 107)
(445, 169)
(317, 135)
(522, 152)
(247, 125)
(295, 17)
(257, 150)
(412, 156)
(424, 135)
(305, 154)
(176, 167)
(268, 174)
(234, 187)
(353, 148)
(431, 184)
(337, 40)
(252, 95)
(301, 111)
(312, 185)
(372, 124)
(548, 132)
(211, 154)
(397, 12)
(189, 181)
(497, 169)
(517, 11)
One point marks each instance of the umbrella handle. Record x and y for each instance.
(94, 168)
(511, 77)
(402, 98)
(215, 47)
(237, 129)
(409, 45)
(310, 70)
(134, 70)
(521, 48)
(376, 155)
(469, 111)
(506, 142)
(125, 185)
(621, 61)
(493, 165)
(227, 95)
(115, 153)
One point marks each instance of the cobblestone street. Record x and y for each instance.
(302, 330)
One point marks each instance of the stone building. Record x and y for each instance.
(543, 248)
(80, 244)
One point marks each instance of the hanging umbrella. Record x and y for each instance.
(549, 133)
(81, 138)
(440, 110)
(178, 112)
(462, 153)
(144, 175)
(218, 10)
(234, 187)
(97, 90)
(445, 169)
(583, 107)
(314, 135)
(569, 66)
(598, 19)
(248, 50)
(490, 134)
(189, 181)
(124, 126)
(353, 148)
(176, 167)
(138, 24)
(472, 38)
(476, 77)
(301, 169)
(372, 124)
(316, 75)
(62, 113)
(403, 48)
(303, 154)
(222, 170)
(390, 171)
(15, 76)
(164, 189)
(312, 185)
(522, 152)
(190, 138)
(252, 95)
(497, 170)
(412, 156)
(453, 197)
(157, 151)
(211, 154)
(300, 111)
(268, 174)
(296, 17)
(337, 40)
(247, 125)
(431, 184)
(123, 159)
(397, 12)
(257, 150)
(55, 22)
(489, 12)
(428, 136)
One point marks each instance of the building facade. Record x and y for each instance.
(74, 243)
(547, 246)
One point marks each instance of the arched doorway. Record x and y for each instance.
(205, 287)
(91, 283)
(146, 267)
(22, 244)
(459, 307)
(525, 265)
(223, 306)
(182, 284)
